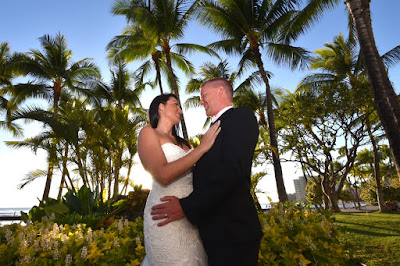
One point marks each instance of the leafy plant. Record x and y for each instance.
(72, 209)
(47, 243)
(131, 206)
(297, 235)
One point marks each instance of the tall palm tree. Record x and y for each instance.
(208, 71)
(120, 92)
(165, 21)
(386, 100)
(341, 62)
(135, 44)
(339, 67)
(8, 72)
(121, 114)
(248, 27)
(53, 72)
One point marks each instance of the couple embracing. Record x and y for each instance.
(200, 210)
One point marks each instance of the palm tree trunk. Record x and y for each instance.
(175, 88)
(156, 59)
(385, 98)
(51, 162)
(80, 168)
(64, 172)
(118, 163)
(377, 175)
(52, 155)
(128, 174)
(272, 131)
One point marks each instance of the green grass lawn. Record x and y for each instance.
(371, 238)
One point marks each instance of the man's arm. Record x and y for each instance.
(171, 210)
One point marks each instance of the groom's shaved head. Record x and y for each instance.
(221, 82)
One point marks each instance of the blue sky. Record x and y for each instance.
(88, 26)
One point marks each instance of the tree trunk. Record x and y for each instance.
(357, 199)
(333, 200)
(386, 102)
(377, 175)
(64, 167)
(118, 163)
(49, 177)
(156, 59)
(125, 187)
(272, 131)
(52, 152)
(175, 89)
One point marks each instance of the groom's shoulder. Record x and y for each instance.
(243, 112)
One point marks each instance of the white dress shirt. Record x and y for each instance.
(215, 117)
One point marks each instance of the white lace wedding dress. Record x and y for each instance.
(177, 243)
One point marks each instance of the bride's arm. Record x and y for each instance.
(153, 159)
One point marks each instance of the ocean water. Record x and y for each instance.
(11, 212)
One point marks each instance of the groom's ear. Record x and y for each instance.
(221, 91)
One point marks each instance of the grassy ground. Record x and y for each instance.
(371, 238)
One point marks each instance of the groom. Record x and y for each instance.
(221, 204)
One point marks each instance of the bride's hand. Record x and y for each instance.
(209, 137)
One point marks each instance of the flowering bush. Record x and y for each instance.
(293, 235)
(296, 235)
(47, 243)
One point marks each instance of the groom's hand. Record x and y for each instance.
(171, 210)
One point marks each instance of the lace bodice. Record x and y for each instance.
(177, 243)
(182, 186)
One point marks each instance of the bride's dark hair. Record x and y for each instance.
(154, 115)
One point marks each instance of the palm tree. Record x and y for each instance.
(8, 72)
(53, 72)
(341, 62)
(120, 92)
(121, 115)
(386, 100)
(207, 71)
(249, 27)
(165, 21)
(134, 44)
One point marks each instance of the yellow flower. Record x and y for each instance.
(94, 253)
(134, 263)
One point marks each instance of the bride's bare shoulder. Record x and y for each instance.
(147, 129)
(148, 134)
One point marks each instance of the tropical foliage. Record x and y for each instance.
(292, 234)
(47, 243)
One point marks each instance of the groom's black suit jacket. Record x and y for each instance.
(221, 204)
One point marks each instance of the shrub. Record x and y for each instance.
(46, 243)
(296, 235)
(293, 235)
(391, 193)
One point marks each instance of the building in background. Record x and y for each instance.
(291, 196)
(300, 188)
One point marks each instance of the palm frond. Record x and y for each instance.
(391, 57)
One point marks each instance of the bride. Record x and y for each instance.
(169, 159)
